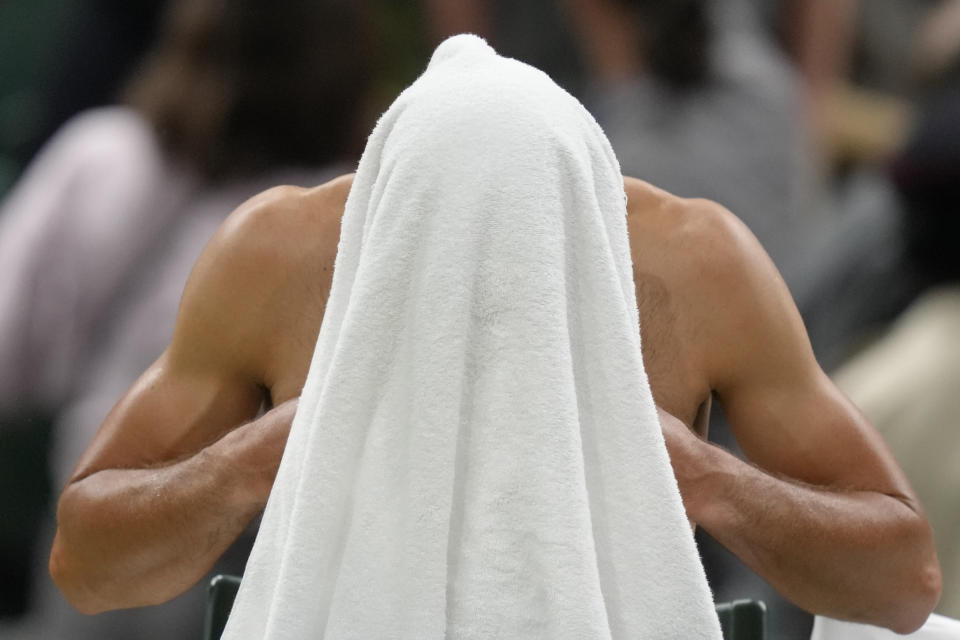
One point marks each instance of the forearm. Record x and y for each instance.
(855, 555)
(135, 537)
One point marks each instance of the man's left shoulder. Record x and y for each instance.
(700, 241)
(733, 299)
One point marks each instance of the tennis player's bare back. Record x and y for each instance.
(180, 479)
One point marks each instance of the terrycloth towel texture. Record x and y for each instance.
(476, 452)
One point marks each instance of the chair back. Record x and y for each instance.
(220, 595)
(743, 619)
(739, 620)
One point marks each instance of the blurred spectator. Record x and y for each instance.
(908, 382)
(99, 235)
(696, 101)
(858, 279)
(937, 45)
(58, 58)
(855, 65)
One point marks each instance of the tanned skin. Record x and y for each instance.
(182, 464)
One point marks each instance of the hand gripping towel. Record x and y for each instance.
(476, 453)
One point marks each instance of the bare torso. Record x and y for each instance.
(715, 319)
(657, 222)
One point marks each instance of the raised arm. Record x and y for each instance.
(172, 478)
(826, 515)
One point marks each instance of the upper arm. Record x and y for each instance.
(211, 376)
(787, 415)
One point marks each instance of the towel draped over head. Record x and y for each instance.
(476, 452)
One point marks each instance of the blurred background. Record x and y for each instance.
(128, 131)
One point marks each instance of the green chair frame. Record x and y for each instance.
(739, 620)
(220, 595)
(743, 619)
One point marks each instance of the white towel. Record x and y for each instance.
(476, 452)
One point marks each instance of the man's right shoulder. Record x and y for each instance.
(282, 217)
(256, 268)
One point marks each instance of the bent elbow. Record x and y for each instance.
(69, 582)
(78, 576)
(929, 588)
(918, 603)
